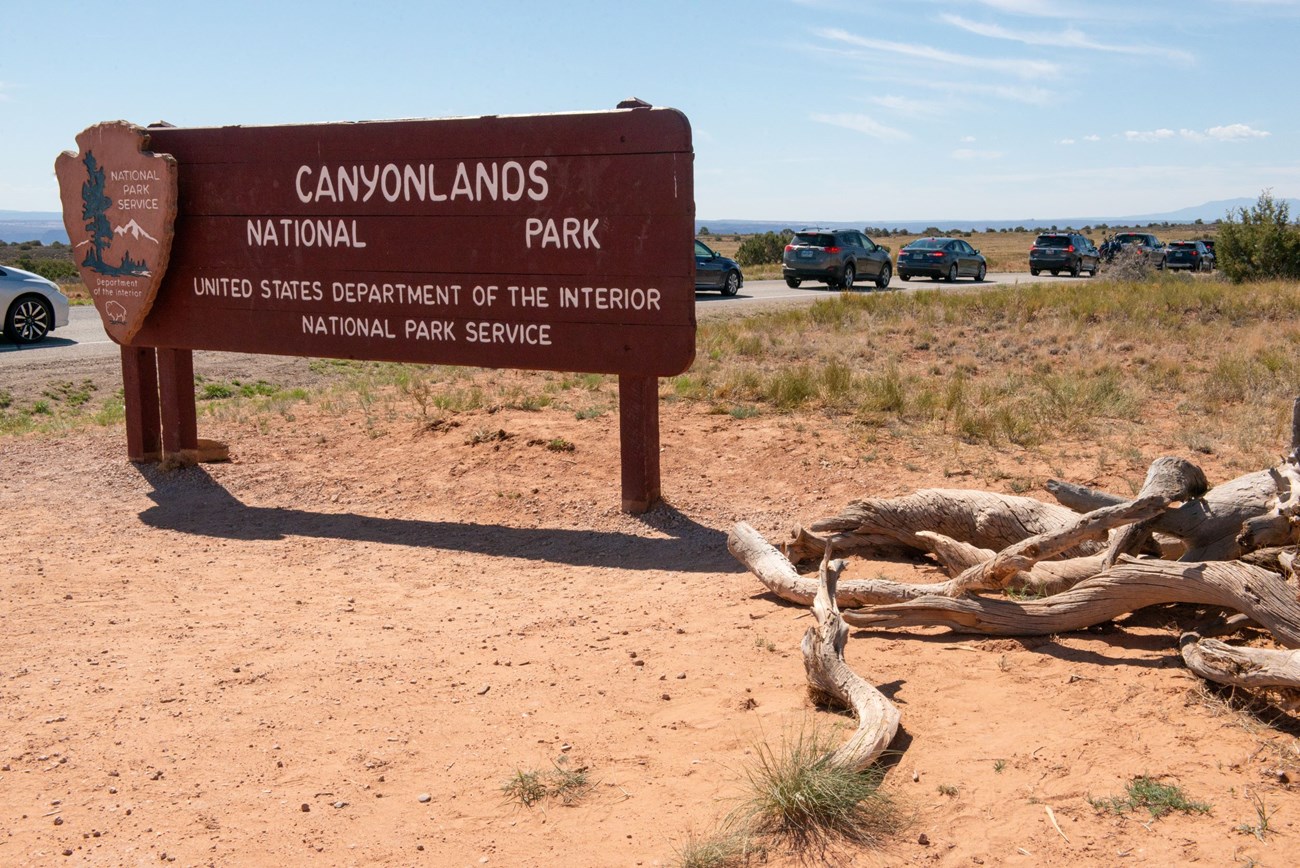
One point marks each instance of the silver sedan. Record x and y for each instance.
(32, 306)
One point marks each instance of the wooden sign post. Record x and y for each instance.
(547, 242)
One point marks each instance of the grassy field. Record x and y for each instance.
(1018, 365)
(1005, 251)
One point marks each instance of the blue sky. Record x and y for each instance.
(801, 109)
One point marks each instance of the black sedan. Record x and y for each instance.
(715, 271)
(947, 258)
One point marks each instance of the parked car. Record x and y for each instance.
(1151, 247)
(835, 257)
(1063, 251)
(947, 258)
(1192, 255)
(715, 271)
(32, 305)
(1209, 245)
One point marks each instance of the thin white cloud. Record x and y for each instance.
(972, 154)
(863, 124)
(1027, 94)
(966, 139)
(1036, 8)
(1026, 69)
(1228, 133)
(1066, 142)
(908, 106)
(1235, 132)
(1149, 135)
(1092, 138)
(1068, 38)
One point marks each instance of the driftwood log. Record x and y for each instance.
(831, 681)
(1078, 557)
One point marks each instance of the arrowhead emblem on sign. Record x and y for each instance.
(119, 207)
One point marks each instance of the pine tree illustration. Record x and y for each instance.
(94, 210)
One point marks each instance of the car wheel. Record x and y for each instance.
(732, 284)
(905, 277)
(793, 282)
(846, 282)
(29, 320)
(1034, 272)
(882, 282)
(1056, 272)
(979, 276)
(1075, 269)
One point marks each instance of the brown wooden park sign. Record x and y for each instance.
(545, 242)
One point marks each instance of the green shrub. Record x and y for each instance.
(764, 249)
(1259, 243)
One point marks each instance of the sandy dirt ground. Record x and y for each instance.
(337, 648)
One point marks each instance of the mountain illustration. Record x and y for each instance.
(133, 229)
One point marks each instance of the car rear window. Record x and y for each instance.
(813, 239)
(928, 244)
(1183, 245)
(1131, 239)
(1053, 241)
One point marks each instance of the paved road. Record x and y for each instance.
(83, 340)
(755, 292)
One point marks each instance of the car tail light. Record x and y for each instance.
(831, 249)
(789, 247)
(1070, 249)
(937, 253)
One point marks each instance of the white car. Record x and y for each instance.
(32, 306)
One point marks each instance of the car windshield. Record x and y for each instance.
(928, 244)
(1053, 241)
(813, 239)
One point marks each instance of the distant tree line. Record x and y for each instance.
(51, 261)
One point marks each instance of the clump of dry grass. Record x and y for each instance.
(529, 787)
(797, 799)
(1020, 364)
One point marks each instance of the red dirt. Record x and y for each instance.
(273, 660)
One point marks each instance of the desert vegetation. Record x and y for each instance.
(999, 366)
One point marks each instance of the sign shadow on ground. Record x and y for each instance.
(189, 500)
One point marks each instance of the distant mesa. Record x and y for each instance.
(133, 229)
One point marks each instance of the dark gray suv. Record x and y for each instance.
(1063, 251)
(835, 257)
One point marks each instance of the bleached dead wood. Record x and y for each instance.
(1128, 586)
(981, 518)
(1046, 577)
(780, 577)
(1168, 480)
(1240, 666)
(775, 571)
(997, 572)
(988, 541)
(1208, 525)
(830, 677)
